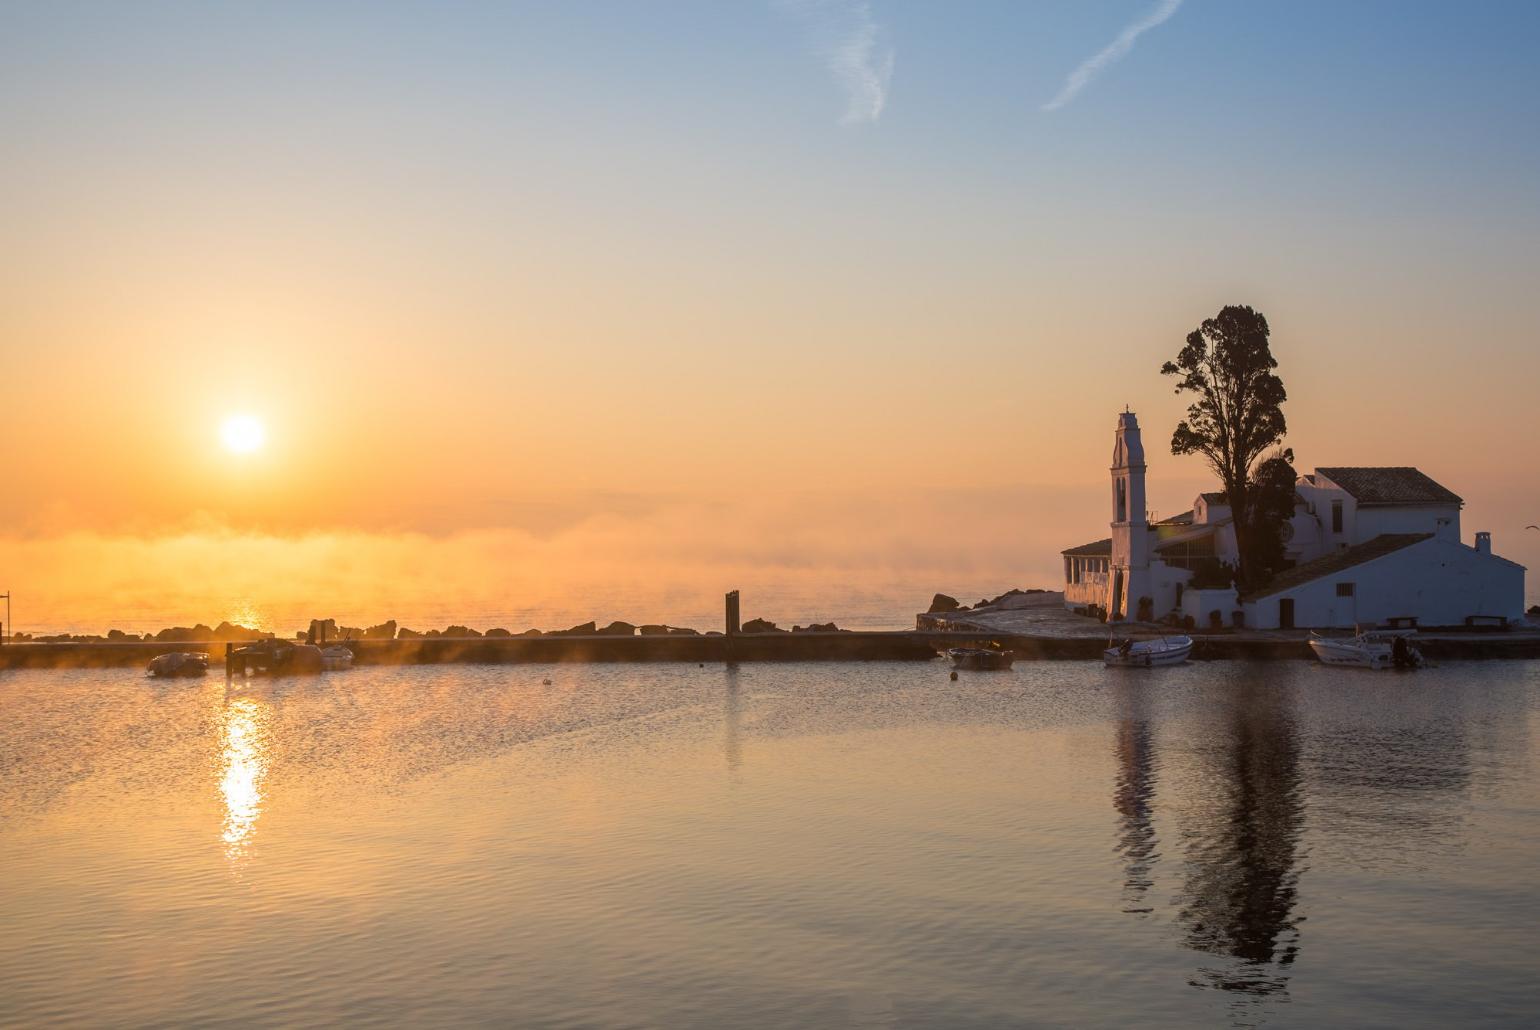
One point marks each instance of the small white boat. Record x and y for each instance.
(1148, 654)
(1375, 649)
(336, 658)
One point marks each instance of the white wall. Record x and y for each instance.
(1438, 581)
(1372, 521)
(1198, 604)
(1092, 588)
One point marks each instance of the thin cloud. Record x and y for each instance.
(1113, 53)
(847, 38)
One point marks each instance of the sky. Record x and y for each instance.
(537, 299)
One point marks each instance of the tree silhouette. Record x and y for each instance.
(1272, 504)
(1238, 414)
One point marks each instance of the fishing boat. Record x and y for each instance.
(1373, 649)
(179, 663)
(1147, 654)
(980, 659)
(336, 658)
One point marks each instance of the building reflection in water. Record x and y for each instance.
(1243, 849)
(732, 716)
(244, 745)
(1134, 798)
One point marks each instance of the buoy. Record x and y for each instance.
(954, 674)
(546, 682)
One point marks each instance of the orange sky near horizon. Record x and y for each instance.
(544, 335)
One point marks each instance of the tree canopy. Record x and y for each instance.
(1237, 415)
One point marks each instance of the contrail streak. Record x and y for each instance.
(1111, 54)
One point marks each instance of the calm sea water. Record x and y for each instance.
(777, 845)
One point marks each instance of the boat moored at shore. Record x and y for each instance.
(1148, 654)
(980, 659)
(179, 663)
(1373, 649)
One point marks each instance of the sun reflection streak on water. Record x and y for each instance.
(244, 750)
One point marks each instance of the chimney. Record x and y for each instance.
(1483, 543)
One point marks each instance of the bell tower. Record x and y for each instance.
(1130, 566)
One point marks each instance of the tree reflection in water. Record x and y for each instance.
(1243, 850)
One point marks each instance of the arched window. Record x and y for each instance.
(1122, 501)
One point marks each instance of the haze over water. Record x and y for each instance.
(1273, 844)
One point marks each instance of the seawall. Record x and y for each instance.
(914, 645)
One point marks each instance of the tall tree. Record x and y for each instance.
(1238, 413)
(1272, 504)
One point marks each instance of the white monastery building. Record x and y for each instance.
(1369, 545)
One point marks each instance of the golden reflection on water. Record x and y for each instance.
(243, 612)
(244, 741)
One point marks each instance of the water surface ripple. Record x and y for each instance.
(1223, 844)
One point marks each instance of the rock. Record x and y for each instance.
(532, 633)
(817, 627)
(322, 629)
(619, 629)
(653, 630)
(942, 603)
(583, 630)
(460, 631)
(350, 632)
(681, 631)
(117, 634)
(384, 631)
(199, 633)
(407, 634)
(231, 631)
(498, 631)
(761, 626)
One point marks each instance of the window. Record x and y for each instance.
(1336, 516)
(1122, 512)
(1344, 590)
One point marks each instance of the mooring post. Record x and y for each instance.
(732, 626)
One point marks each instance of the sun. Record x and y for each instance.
(242, 433)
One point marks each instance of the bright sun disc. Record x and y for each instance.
(242, 433)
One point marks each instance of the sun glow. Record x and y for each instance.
(242, 433)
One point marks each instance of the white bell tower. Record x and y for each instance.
(1130, 568)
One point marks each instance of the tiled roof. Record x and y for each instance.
(1337, 561)
(1400, 484)
(1100, 547)
(1215, 497)
(1184, 519)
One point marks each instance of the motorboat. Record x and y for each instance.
(980, 659)
(1147, 654)
(276, 658)
(179, 663)
(335, 658)
(1373, 649)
